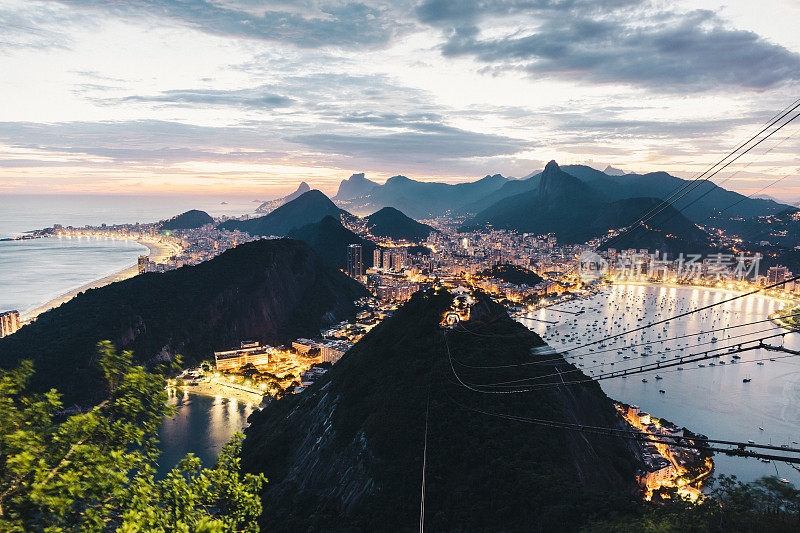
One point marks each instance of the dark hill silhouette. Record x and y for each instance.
(271, 205)
(189, 220)
(562, 204)
(394, 224)
(346, 454)
(268, 290)
(329, 238)
(307, 208)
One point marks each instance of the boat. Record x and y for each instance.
(658, 377)
(764, 460)
(784, 480)
(662, 391)
(759, 427)
(644, 380)
(746, 380)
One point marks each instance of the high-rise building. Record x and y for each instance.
(355, 266)
(776, 274)
(143, 260)
(9, 322)
(376, 258)
(387, 259)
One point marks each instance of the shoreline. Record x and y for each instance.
(155, 251)
(213, 390)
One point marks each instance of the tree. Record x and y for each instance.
(95, 471)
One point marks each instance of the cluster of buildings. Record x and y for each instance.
(665, 465)
(9, 322)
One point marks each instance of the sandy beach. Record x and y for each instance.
(157, 252)
(207, 388)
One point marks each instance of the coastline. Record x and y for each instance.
(213, 390)
(156, 252)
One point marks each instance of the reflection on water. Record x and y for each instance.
(711, 400)
(200, 425)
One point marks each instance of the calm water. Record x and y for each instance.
(201, 425)
(712, 400)
(35, 271)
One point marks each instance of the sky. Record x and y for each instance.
(251, 97)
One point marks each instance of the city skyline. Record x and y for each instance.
(210, 97)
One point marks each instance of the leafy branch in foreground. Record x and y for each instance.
(95, 471)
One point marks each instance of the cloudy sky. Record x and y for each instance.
(250, 96)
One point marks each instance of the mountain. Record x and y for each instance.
(271, 205)
(421, 199)
(513, 274)
(353, 187)
(267, 290)
(704, 202)
(611, 171)
(347, 453)
(577, 212)
(189, 220)
(392, 223)
(329, 238)
(307, 208)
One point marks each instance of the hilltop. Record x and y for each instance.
(271, 291)
(576, 212)
(353, 187)
(347, 454)
(189, 220)
(271, 205)
(392, 223)
(307, 208)
(329, 238)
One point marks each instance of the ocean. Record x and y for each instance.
(33, 272)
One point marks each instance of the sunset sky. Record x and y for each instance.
(251, 97)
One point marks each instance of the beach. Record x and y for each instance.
(157, 252)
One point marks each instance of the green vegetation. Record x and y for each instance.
(765, 505)
(266, 290)
(95, 471)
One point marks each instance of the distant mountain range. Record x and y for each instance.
(267, 290)
(271, 205)
(420, 199)
(347, 453)
(576, 212)
(329, 238)
(189, 220)
(308, 208)
(392, 223)
(353, 187)
(427, 199)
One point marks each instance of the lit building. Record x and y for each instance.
(776, 274)
(355, 266)
(248, 352)
(9, 323)
(376, 258)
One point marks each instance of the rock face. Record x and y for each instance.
(353, 187)
(392, 223)
(188, 220)
(308, 208)
(271, 291)
(347, 454)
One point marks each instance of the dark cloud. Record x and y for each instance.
(304, 24)
(415, 146)
(631, 44)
